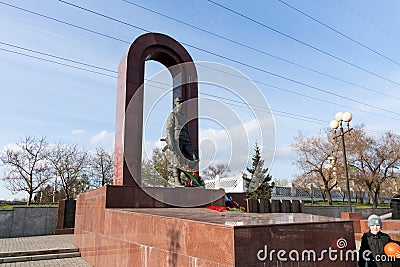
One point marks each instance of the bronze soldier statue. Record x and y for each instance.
(178, 138)
(185, 156)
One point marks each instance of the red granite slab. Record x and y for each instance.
(355, 217)
(197, 236)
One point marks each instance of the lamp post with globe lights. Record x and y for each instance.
(340, 118)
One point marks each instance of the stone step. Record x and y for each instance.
(37, 252)
(35, 255)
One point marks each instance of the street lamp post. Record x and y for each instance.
(55, 189)
(341, 117)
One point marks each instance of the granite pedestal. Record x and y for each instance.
(200, 237)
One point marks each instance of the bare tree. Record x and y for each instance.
(213, 170)
(150, 177)
(282, 182)
(45, 194)
(313, 153)
(157, 170)
(357, 183)
(26, 166)
(69, 166)
(312, 184)
(101, 167)
(394, 185)
(372, 162)
(303, 183)
(162, 162)
(376, 160)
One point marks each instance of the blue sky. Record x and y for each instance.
(76, 106)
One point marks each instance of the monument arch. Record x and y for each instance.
(169, 52)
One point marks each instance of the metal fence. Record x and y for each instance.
(236, 184)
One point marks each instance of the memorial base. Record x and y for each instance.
(200, 237)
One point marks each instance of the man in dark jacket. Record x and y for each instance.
(371, 252)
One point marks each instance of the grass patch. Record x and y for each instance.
(6, 207)
(10, 207)
(339, 203)
(43, 204)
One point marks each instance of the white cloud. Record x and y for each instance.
(78, 131)
(104, 138)
(6, 194)
(235, 145)
(147, 152)
(285, 150)
(282, 165)
(13, 147)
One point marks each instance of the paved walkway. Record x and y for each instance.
(68, 262)
(41, 243)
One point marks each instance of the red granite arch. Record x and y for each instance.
(169, 52)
